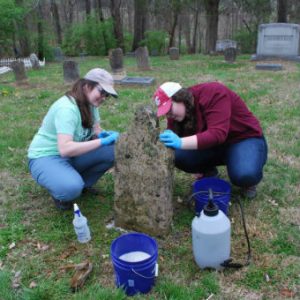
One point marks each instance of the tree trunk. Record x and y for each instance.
(172, 33)
(56, 21)
(193, 49)
(212, 18)
(187, 31)
(101, 18)
(40, 29)
(140, 21)
(69, 11)
(116, 15)
(282, 11)
(87, 7)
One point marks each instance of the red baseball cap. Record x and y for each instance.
(163, 97)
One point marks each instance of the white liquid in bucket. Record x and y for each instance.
(134, 256)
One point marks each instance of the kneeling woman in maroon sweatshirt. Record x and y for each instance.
(210, 125)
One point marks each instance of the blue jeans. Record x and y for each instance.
(65, 177)
(244, 160)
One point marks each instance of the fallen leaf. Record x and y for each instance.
(12, 245)
(42, 247)
(16, 280)
(104, 256)
(287, 293)
(81, 274)
(267, 277)
(32, 284)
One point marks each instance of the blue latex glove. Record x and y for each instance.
(170, 139)
(108, 137)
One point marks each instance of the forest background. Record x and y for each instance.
(92, 27)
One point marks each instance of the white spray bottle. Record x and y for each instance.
(80, 226)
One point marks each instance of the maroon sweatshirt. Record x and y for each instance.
(222, 116)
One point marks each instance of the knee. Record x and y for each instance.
(246, 178)
(69, 190)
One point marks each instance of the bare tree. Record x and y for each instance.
(87, 7)
(115, 6)
(55, 13)
(68, 7)
(212, 19)
(140, 22)
(282, 6)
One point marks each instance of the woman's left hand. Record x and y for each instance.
(170, 139)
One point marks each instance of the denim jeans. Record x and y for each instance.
(65, 177)
(244, 160)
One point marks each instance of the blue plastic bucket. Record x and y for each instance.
(217, 185)
(138, 276)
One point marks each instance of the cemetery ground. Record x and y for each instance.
(37, 241)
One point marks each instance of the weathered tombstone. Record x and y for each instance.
(230, 55)
(58, 54)
(143, 177)
(71, 71)
(142, 58)
(269, 67)
(174, 53)
(34, 61)
(19, 71)
(136, 81)
(222, 45)
(278, 40)
(116, 63)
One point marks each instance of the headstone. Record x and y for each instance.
(174, 53)
(154, 52)
(34, 61)
(58, 54)
(230, 55)
(136, 81)
(71, 71)
(116, 63)
(19, 71)
(279, 40)
(142, 59)
(143, 177)
(269, 67)
(221, 45)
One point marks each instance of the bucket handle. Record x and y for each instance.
(146, 277)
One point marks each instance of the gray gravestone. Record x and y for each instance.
(71, 71)
(278, 40)
(269, 67)
(174, 53)
(140, 81)
(58, 54)
(116, 63)
(230, 55)
(142, 59)
(222, 45)
(34, 61)
(19, 71)
(143, 177)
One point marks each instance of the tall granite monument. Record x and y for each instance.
(143, 177)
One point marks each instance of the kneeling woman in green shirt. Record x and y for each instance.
(70, 151)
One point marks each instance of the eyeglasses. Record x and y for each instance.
(103, 93)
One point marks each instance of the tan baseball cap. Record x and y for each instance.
(104, 79)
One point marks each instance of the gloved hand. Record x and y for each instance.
(108, 137)
(170, 139)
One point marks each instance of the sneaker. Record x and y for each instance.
(63, 205)
(249, 192)
(91, 191)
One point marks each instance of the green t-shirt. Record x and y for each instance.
(62, 117)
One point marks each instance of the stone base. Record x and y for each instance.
(269, 67)
(136, 81)
(117, 76)
(256, 57)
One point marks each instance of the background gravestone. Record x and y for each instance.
(71, 71)
(230, 55)
(142, 58)
(174, 53)
(19, 71)
(34, 61)
(58, 54)
(143, 177)
(116, 63)
(222, 45)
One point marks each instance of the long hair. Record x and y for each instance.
(78, 94)
(188, 125)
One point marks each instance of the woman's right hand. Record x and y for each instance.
(108, 137)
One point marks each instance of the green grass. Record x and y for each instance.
(36, 239)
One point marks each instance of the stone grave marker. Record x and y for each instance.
(116, 63)
(71, 71)
(34, 61)
(136, 81)
(278, 40)
(174, 53)
(222, 45)
(142, 59)
(143, 177)
(58, 54)
(19, 71)
(230, 55)
(269, 67)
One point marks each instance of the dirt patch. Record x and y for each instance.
(290, 215)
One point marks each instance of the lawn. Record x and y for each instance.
(36, 240)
